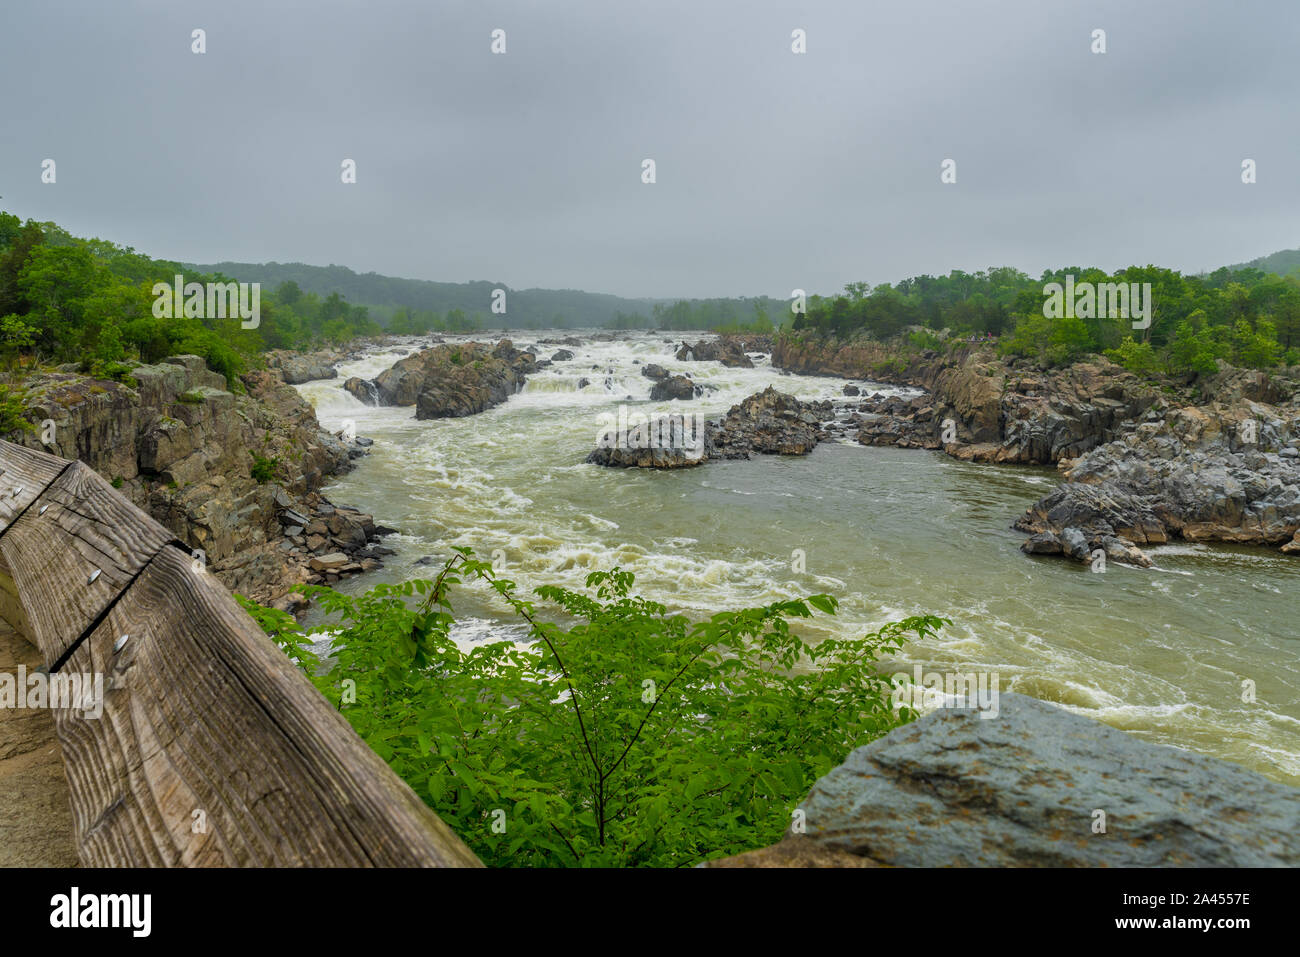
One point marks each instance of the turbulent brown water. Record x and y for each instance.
(1161, 652)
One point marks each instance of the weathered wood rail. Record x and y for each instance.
(212, 748)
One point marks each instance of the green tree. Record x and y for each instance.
(1137, 357)
(629, 736)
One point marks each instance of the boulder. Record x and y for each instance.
(1025, 788)
(364, 389)
(333, 562)
(674, 387)
(1044, 543)
(656, 372)
(296, 368)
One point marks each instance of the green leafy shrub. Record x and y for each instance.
(1195, 348)
(1255, 348)
(112, 371)
(264, 469)
(628, 737)
(924, 339)
(11, 411)
(1137, 357)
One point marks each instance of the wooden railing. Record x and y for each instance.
(212, 748)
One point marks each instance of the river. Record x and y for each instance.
(1161, 653)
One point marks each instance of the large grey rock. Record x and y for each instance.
(980, 407)
(1023, 789)
(673, 387)
(308, 367)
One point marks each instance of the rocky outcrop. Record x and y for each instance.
(1036, 786)
(859, 359)
(755, 343)
(770, 423)
(766, 423)
(1143, 466)
(217, 468)
(656, 372)
(980, 407)
(1218, 473)
(450, 380)
(727, 351)
(898, 421)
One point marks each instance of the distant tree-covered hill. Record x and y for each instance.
(417, 305)
(1280, 263)
(385, 295)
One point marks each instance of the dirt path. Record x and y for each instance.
(35, 818)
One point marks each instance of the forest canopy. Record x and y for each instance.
(1248, 317)
(65, 299)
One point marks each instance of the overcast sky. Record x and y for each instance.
(774, 170)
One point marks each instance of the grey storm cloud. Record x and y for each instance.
(774, 170)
